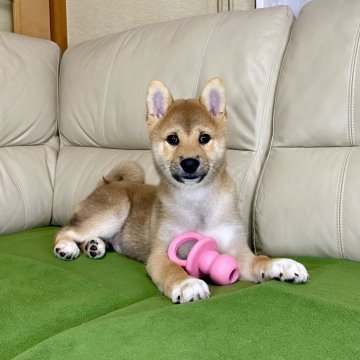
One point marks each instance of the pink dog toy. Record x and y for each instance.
(204, 258)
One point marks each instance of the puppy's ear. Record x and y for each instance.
(213, 98)
(158, 100)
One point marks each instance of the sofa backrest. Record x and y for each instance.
(28, 146)
(309, 198)
(103, 88)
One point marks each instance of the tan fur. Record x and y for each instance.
(140, 220)
(125, 171)
(164, 273)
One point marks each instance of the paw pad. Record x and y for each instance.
(95, 249)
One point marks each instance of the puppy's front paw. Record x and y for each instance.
(95, 248)
(66, 250)
(188, 290)
(286, 270)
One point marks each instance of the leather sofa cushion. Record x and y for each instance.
(26, 186)
(28, 144)
(104, 81)
(28, 91)
(309, 199)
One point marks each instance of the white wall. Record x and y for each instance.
(295, 5)
(5, 15)
(89, 19)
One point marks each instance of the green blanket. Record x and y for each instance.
(109, 309)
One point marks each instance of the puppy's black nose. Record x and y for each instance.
(189, 165)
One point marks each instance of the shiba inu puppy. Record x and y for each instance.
(195, 193)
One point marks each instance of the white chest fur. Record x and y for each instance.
(204, 210)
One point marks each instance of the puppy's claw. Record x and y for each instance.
(66, 250)
(286, 270)
(190, 290)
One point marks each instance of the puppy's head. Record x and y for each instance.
(188, 137)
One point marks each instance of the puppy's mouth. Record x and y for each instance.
(185, 178)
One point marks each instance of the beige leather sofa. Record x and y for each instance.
(293, 110)
(307, 112)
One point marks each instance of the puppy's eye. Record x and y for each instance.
(204, 139)
(172, 139)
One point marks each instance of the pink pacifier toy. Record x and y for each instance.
(204, 258)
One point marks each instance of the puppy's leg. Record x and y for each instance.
(262, 268)
(173, 281)
(87, 233)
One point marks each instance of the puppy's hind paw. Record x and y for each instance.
(66, 250)
(95, 248)
(189, 290)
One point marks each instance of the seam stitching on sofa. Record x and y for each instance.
(21, 191)
(262, 172)
(55, 73)
(57, 119)
(266, 102)
(59, 122)
(351, 95)
(262, 127)
(340, 205)
(57, 134)
(106, 87)
(203, 51)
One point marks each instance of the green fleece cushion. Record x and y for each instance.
(109, 309)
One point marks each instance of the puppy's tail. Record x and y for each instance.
(124, 171)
